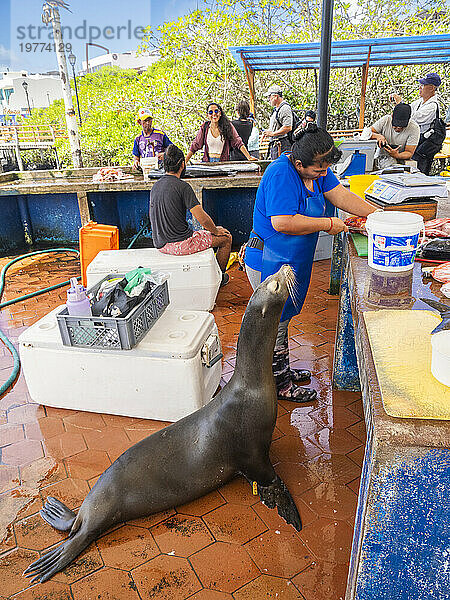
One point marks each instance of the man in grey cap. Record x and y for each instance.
(397, 136)
(280, 124)
(424, 112)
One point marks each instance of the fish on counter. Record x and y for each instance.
(111, 174)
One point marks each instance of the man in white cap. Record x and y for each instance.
(280, 124)
(424, 112)
(151, 141)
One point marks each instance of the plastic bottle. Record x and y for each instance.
(78, 304)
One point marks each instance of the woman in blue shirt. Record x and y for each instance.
(295, 200)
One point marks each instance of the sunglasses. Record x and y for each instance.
(216, 111)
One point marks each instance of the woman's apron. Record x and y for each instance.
(296, 251)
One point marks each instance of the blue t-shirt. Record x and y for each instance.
(282, 192)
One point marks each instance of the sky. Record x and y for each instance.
(25, 43)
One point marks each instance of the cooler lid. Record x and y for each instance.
(126, 260)
(176, 334)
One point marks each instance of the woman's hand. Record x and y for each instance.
(337, 225)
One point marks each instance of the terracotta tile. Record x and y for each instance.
(309, 339)
(127, 547)
(238, 491)
(344, 398)
(138, 433)
(296, 476)
(354, 485)
(267, 588)
(81, 421)
(10, 434)
(335, 441)
(22, 453)
(45, 428)
(234, 523)
(114, 441)
(166, 578)
(279, 553)
(328, 539)
(357, 455)
(359, 431)
(210, 595)
(202, 505)
(70, 491)
(297, 423)
(357, 408)
(331, 500)
(32, 508)
(294, 449)
(50, 590)
(335, 468)
(64, 445)
(12, 565)
(35, 534)
(182, 535)
(88, 562)
(224, 567)
(60, 413)
(322, 581)
(26, 413)
(334, 417)
(45, 471)
(9, 540)
(87, 464)
(106, 584)
(153, 520)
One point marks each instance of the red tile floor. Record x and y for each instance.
(224, 545)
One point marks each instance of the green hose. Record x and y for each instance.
(16, 367)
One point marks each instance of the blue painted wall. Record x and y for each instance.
(11, 230)
(54, 218)
(406, 549)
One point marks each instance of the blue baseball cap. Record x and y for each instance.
(431, 79)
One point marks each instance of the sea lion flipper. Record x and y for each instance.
(57, 514)
(277, 494)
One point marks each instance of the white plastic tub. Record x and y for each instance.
(194, 280)
(440, 356)
(166, 376)
(393, 240)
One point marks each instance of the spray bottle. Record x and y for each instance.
(78, 304)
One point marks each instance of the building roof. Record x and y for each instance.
(429, 49)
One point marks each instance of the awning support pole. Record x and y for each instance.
(325, 62)
(362, 103)
(250, 74)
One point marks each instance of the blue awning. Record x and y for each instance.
(384, 52)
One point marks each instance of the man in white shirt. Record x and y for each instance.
(424, 112)
(397, 136)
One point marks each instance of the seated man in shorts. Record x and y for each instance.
(170, 198)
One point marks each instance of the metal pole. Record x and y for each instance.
(51, 14)
(325, 62)
(28, 101)
(76, 93)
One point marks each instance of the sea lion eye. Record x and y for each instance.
(273, 286)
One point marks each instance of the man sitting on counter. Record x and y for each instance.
(397, 136)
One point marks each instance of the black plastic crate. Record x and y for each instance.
(111, 333)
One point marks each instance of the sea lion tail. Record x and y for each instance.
(58, 558)
(57, 514)
(277, 495)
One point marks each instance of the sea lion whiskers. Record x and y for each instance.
(292, 284)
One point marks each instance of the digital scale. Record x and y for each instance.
(405, 188)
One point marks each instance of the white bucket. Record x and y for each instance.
(393, 240)
(440, 356)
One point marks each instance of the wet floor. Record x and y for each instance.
(224, 545)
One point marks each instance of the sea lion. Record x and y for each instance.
(231, 435)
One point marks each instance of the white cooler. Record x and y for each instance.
(194, 279)
(172, 372)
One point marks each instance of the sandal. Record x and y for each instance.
(300, 375)
(298, 394)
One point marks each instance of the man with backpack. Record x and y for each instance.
(283, 121)
(425, 112)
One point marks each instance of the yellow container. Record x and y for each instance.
(360, 183)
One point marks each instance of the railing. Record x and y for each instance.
(27, 135)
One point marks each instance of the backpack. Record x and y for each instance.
(438, 131)
(295, 122)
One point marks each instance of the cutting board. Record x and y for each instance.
(361, 244)
(401, 345)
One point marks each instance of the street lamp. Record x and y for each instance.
(73, 60)
(25, 87)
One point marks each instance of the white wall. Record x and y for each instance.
(42, 91)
